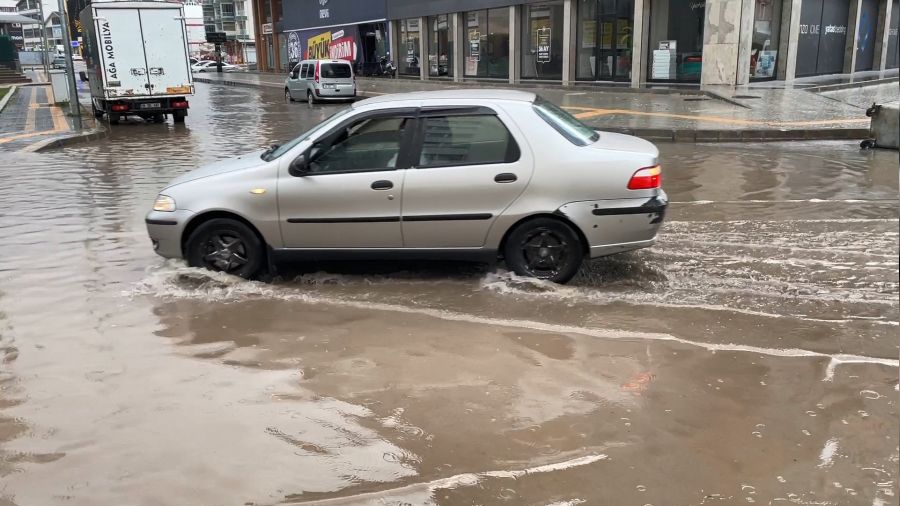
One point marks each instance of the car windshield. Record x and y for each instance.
(270, 155)
(575, 131)
(336, 70)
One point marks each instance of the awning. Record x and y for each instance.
(12, 17)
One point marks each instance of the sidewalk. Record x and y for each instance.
(31, 121)
(676, 114)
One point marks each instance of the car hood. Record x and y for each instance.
(621, 142)
(221, 167)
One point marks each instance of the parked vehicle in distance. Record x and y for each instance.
(136, 55)
(320, 80)
(58, 62)
(210, 66)
(481, 174)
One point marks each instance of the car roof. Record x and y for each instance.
(455, 94)
(325, 60)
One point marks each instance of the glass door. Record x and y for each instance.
(615, 25)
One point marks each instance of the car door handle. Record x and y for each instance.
(506, 177)
(382, 185)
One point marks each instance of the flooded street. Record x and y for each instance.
(751, 356)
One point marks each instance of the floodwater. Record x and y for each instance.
(749, 357)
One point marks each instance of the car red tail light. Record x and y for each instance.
(317, 72)
(180, 104)
(646, 178)
(119, 107)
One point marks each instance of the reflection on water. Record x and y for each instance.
(125, 378)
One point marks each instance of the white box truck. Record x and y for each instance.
(136, 55)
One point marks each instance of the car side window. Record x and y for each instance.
(296, 72)
(304, 71)
(455, 140)
(370, 144)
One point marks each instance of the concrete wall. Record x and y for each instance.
(722, 42)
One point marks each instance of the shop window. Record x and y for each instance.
(604, 40)
(440, 46)
(892, 59)
(487, 43)
(764, 46)
(408, 59)
(542, 41)
(676, 40)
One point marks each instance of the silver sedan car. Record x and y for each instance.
(463, 174)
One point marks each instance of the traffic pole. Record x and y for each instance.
(74, 106)
(43, 25)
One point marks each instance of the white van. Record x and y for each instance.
(321, 80)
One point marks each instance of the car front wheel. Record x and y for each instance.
(225, 245)
(544, 248)
(287, 95)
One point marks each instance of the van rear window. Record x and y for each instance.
(336, 71)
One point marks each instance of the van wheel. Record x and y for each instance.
(225, 245)
(114, 118)
(309, 98)
(287, 95)
(544, 248)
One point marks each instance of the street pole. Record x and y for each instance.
(218, 58)
(43, 26)
(74, 106)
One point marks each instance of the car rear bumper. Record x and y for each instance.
(616, 226)
(165, 231)
(336, 94)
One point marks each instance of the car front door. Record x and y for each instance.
(466, 169)
(294, 81)
(348, 195)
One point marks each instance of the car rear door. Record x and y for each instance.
(350, 198)
(469, 164)
(336, 75)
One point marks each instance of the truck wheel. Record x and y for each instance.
(114, 118)
(178, 116)
(97, 112)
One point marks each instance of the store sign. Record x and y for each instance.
(475, 45)
(543, 45)
(267, 28)
(410, 52)
(765, 64)
(293, 47)
(331, 45)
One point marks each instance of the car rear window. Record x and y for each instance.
(336, 70)
(575, 131)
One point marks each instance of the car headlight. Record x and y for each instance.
(164, 203)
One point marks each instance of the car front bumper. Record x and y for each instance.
(616, 226)
(165, 230)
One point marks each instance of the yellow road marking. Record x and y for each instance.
(30, 114)
(59, 121)
(591, 113)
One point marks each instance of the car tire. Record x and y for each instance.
(310, 99)
(226, 245)
(178, 116)
(544, 248)
(287, 95)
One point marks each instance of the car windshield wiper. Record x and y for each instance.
(268, 151)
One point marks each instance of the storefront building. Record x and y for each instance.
(339, 29)
(716, 42)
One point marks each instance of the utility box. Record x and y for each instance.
(58, 83)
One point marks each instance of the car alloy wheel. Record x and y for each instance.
(544, 248)
(309, 98)
(227, 246)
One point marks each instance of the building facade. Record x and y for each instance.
(235, 18)
(714, 42)
(293, 30)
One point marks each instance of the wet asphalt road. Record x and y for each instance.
(749, 357)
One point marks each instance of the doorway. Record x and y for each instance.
(605, 40)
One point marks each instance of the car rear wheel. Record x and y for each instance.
(544, 248)
(225, 245)
(309, 98)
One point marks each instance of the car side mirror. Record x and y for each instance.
(299, 167)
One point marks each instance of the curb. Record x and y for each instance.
(668, 135)
(847, 86)
(693, 136)
(98, 132)
(8, 96)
